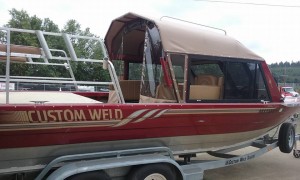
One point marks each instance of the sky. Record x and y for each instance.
(272, 32)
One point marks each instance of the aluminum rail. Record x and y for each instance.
(46, 54)
(7, 67)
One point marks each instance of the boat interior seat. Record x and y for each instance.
(210, 80)
(207, 87)
(130, 90)
(221, 85)
(19, 49)
(164, 92)
(204, 92)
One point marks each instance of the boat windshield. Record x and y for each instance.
(226, 80)
(179, 69)
(201, 79)
(190, 78)
(154, 70)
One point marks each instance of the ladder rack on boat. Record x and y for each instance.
(43, 55)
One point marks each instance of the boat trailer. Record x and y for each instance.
(157, 160)
(296, 151)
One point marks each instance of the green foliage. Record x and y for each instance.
(135, 71)
(21, 20)
(88, 49)
(286, 72)
(203, 69)
(84, 48)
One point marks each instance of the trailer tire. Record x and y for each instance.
(286, 138)
(95, 175)
(153, 172)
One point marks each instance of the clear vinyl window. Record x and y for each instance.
(226, 81)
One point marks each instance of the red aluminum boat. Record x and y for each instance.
(181, 86)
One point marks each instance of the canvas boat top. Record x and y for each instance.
(176, 37)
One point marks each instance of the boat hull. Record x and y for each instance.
(34, 135)
(36, 157)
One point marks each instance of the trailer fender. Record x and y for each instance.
(109, 163)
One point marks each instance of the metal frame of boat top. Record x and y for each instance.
(198, 91)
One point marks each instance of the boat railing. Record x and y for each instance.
(43, 55)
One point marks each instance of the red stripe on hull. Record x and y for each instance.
(176, 120)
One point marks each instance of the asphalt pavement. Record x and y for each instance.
(273, 165)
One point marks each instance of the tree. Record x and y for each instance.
(72, 27)
(88, 49)
(53, 41)
(22, 20)
(84, 48)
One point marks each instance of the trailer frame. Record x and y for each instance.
(188, 169)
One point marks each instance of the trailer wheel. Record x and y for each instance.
(286, 139)
(296, 153)
(95, 175)
(153, 172)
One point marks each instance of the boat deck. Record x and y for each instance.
(39, 97)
